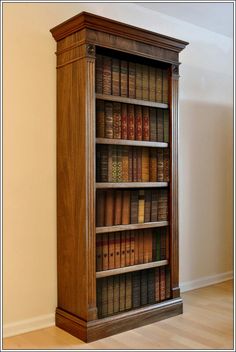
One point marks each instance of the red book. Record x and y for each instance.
(130, 122)
(132, 239)
(136, 247)
(111, 250)
(135, 165)
(138, 123)
(116, 120)
(145, 123)
(140, 247)
(124, 121)
(117, 249)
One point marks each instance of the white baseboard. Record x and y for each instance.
(44, 321)
(22, 326)
(205, 281)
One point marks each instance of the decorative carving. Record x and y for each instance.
(90, 50)
(175, 69)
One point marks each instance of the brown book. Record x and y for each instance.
(117, 120)
(98, 253)
(115, 76)
(151, 286)
(130, 157)
(147, 205)
(163, 244)
(106, 75)
(98, 164)
(126, 208)
(163, 205)
(110, 163)
(114, 163)
(135, 165)
(122, 249)
(138, 84)
(144, 287)
(132, 236)
(124, 124)
(108, 119)
(160, 126)
(127, 248)
(134, 207)
(136, 289)
(153, 165)
(145, 123)
(104, 297)
(152, 83)
(153, 125)
(160, 165)
(140, 247)
(136, 248)
(116, 282)
(117, 207)
(105, 252)
(103, 170)
(166, 126)
(145, 246)
(99, 298)
(141, 206)
(167, 244)
(165, 86)
(145, 164)
(124, 78)
(154, 246)
(110, 294)
(145, 82)
(157, 285)
(130, 121)
(119, 164)
(159, 85)
(154, 205)
(100, 208)
(149, 240)
(132, 80)
(109, 208)
(125, 164)
(117, 249)
(166, 171)
(168, 293)
(111, 251)
(122, 292)
(128, 291)
(100, 119)
(139, 164)
(162, 283)
(138, 122)
(99, 73)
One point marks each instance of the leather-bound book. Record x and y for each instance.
(152, 83)
(167, 283)
(138, 122)
(125, 164)
(119, 164)
(151, 286)
(147, 205)
(157, 285)
(98, 253)
(110, 163)
(160, 125)
(132, 237)
(104, 297)
(145, 82)
(145, 246)
(130, 121)
(163, 205)
(117, 120)
(146, 123)
(158, 85)
(134, 207)
(98, 164)
(115, 76)
(128, 291)
(127, 248)
(100, 208)
(149, 240)
(132, 80)
(162, 283)
(118, 207)
(135, 164)
(114, 163)
(116, 282)
(100, 119)
(110, 294)
(163, 244)
(99, 298)
(153, 124)
(165, 86)
(144, 287)
(140, 247)
(136, 289)
(124, 78)
(126, 208)
(106, 75)
(103, 171)
(109, 208)
(153, 165)
(136, 247)
(158, 245)
(167, 243)
(154, 205)
(139, 164)
(122, 249)
(122, 292)
(160, 165)
(145, 164)
(130, 156)
(105, 252)
(108, 119)
(111, 251)
(154, 246)
(124, 124)
(166, 126)
(138, 84)
(141, 206)
(99, 73)
(117, 249)
(166, 165)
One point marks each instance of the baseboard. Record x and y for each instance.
(22, 326)
(205, 281)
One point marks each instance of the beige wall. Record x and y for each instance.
(205, 159)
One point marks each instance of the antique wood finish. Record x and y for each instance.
(78, 39)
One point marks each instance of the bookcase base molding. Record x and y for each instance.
(97, 329)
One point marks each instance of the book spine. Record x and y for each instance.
(145, 123)
(132, 239)
(138, 85)
(103, 164)
(124, 124)
(135, 165)
(108, 120)
(110, 294)
(115, 76)
(128, 291)
(99, 74)
(145, 246)
(157, 285)
(105, 253)
(122, 249)
(132, 80)
(149, 241)
(127, 248)
(116, 282)
(117, 120)
(158, 85)
(165, 86)
(114, 163)
(111, 250)
(130, 157)
(152, 83)
(136, 289)
(153, 165)
(100, 119)
(145, 82)
(138, 123)
(98, 253)
(130, 122)
(124, 78)
(110, 163)
(117, 207)
(109, 208)
(158, 245)
(140, 247)
(104, 298)
(166, 126)
(154, 206)
(117, 249)
(100, 208)
(167, 244)
(126, 208)
(139, 164)
(144, 287)
(134, 207)
(106, 75)
(145, 165)
(153, 125)
(163, 245)
(119, 165)
(125, 164)
(160, 126)
(162, 283)
(168, 288)
(160, 165)
(99, 298)
(163, 205)
(147, 206)
(166, 171)
(141, 206)
(136, 248)
(151, 286)
(122, 293)
(154, 247)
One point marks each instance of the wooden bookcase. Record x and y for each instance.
(93, 303)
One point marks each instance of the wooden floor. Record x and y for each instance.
(207, 323)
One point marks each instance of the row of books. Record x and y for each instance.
(132, 122)
(131, 164)
(132, 290)
(130, 79)
(121, 249)
(122, 207)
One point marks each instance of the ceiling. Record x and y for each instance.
(216, 17)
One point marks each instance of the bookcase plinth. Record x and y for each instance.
(115, 324)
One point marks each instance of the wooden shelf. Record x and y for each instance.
(119, 99)
(130, 268)
(144, 225)
(131, 143)
(103, 185)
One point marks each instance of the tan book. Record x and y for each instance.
(126, 208)
(145, 164)
(141, 206)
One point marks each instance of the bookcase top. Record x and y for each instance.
(91, 21)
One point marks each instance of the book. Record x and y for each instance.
(98, 73)
(100, 119)
(98, 253)
(114, 163)
(145, 165)
(124, 78)
(168, 288)
(108, 107)
(136, 248)
(144, 287)
(149, 247)
(99, 298)
(116, 283)
(166, 126)
(145, 83)
(158, 245)
(140, 247)
(162, 283)
(105, 252)
(110, 296)
(124, 128)
(167, 244)
(157, 285)
(115, 76)
(122, 249)
(128, 291)
(160, 126)
(132, 239)
(127, 248)
(117, 120)
(145, 246)
(126, 208)
(122, 292)
(109, 204)
(138, 122)
(103, 170)
(117, 207)
(136, 289)
(130, 122)
(153, 124)
(139, 164)
(132, 80)
(106, 75)
(152, 83)
(147, 205)
(163, 205)
(135, 165)
(138, 85)
(154, 246)
(145, 123)
(104, 297)
(160, 165)
(130, 164)
(117, 250)
(140, 206)
(119, 164)
(151, 286)
(110, 163)
(163, 244)
(153, 165)
(166, 167)
(165, 86)
(158, 85)
(100, 208)
(154, 205)
(111, 251)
